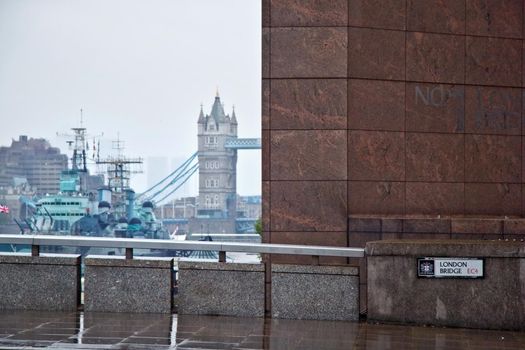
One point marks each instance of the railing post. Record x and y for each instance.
(35, 250)
(315, 259)
(129, 253)
(222, 256)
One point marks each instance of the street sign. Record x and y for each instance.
(450, 267)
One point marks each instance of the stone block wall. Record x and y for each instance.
(47, 282)
(296, 291)
(207, 288)
(396, 294)
(315, 292)
(390, 108)
(140, 285)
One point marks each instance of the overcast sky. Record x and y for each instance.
(138, 68)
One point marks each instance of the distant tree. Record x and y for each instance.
(258, 226)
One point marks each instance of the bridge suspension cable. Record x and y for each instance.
(188, 174)
(177, 173)
(174, 181)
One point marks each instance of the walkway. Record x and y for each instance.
(29, 330)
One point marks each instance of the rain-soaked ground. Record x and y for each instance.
(85, 330)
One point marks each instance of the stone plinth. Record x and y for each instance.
(365, 228)
(46, 282)
(396, 294)
(207, 288)
(119, 285)
(315, 292)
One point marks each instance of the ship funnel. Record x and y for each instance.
(104, 194)
(130, 203)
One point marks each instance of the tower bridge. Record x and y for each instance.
(243, 144)
(216, 163)
(218, 143)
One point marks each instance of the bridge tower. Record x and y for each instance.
(217, 166)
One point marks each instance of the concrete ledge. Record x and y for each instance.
(191, 265)
(43, 259)
(396, 294)
(464, 248)
(221, 289)
(114, 284)
(48, 282)
(315, 292)
(316, 270)
(120, 261)
(457, 227)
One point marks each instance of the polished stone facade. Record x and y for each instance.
(398, 109)
(409, 107)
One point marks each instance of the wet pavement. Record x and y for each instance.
(84, 330)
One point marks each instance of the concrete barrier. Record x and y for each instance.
(208, 288)
(123, 285)
(315, 292)
(116, 284)
(397, 294)
(297, 291)
(47, 282)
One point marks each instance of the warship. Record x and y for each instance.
(109, 211)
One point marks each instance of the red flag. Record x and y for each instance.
(4, 209)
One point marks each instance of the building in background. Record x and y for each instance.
(157, 169)
(34, 160)
(14, 197)
(186, 208)
(35, 164)
(181, 208)
(191, 187)
(249, 207)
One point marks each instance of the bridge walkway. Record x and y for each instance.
(84, 330)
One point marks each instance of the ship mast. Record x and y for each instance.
(118, 170)
(79, 152)
(79, 144)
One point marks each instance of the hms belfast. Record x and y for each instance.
(78, 208)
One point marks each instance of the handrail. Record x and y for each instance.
(135, 243)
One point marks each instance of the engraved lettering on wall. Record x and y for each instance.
(497, 110)
(438, 97)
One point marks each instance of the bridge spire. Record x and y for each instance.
(234, 118)
(201, 116)
(217, 110)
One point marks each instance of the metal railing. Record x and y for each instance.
(35, 241)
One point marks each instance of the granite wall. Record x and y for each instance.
(396, 294)
(140, 285)
(315, 292)
(207, 288)
(389, 107)
(46, 282)
(404, 109)
(296, 291)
